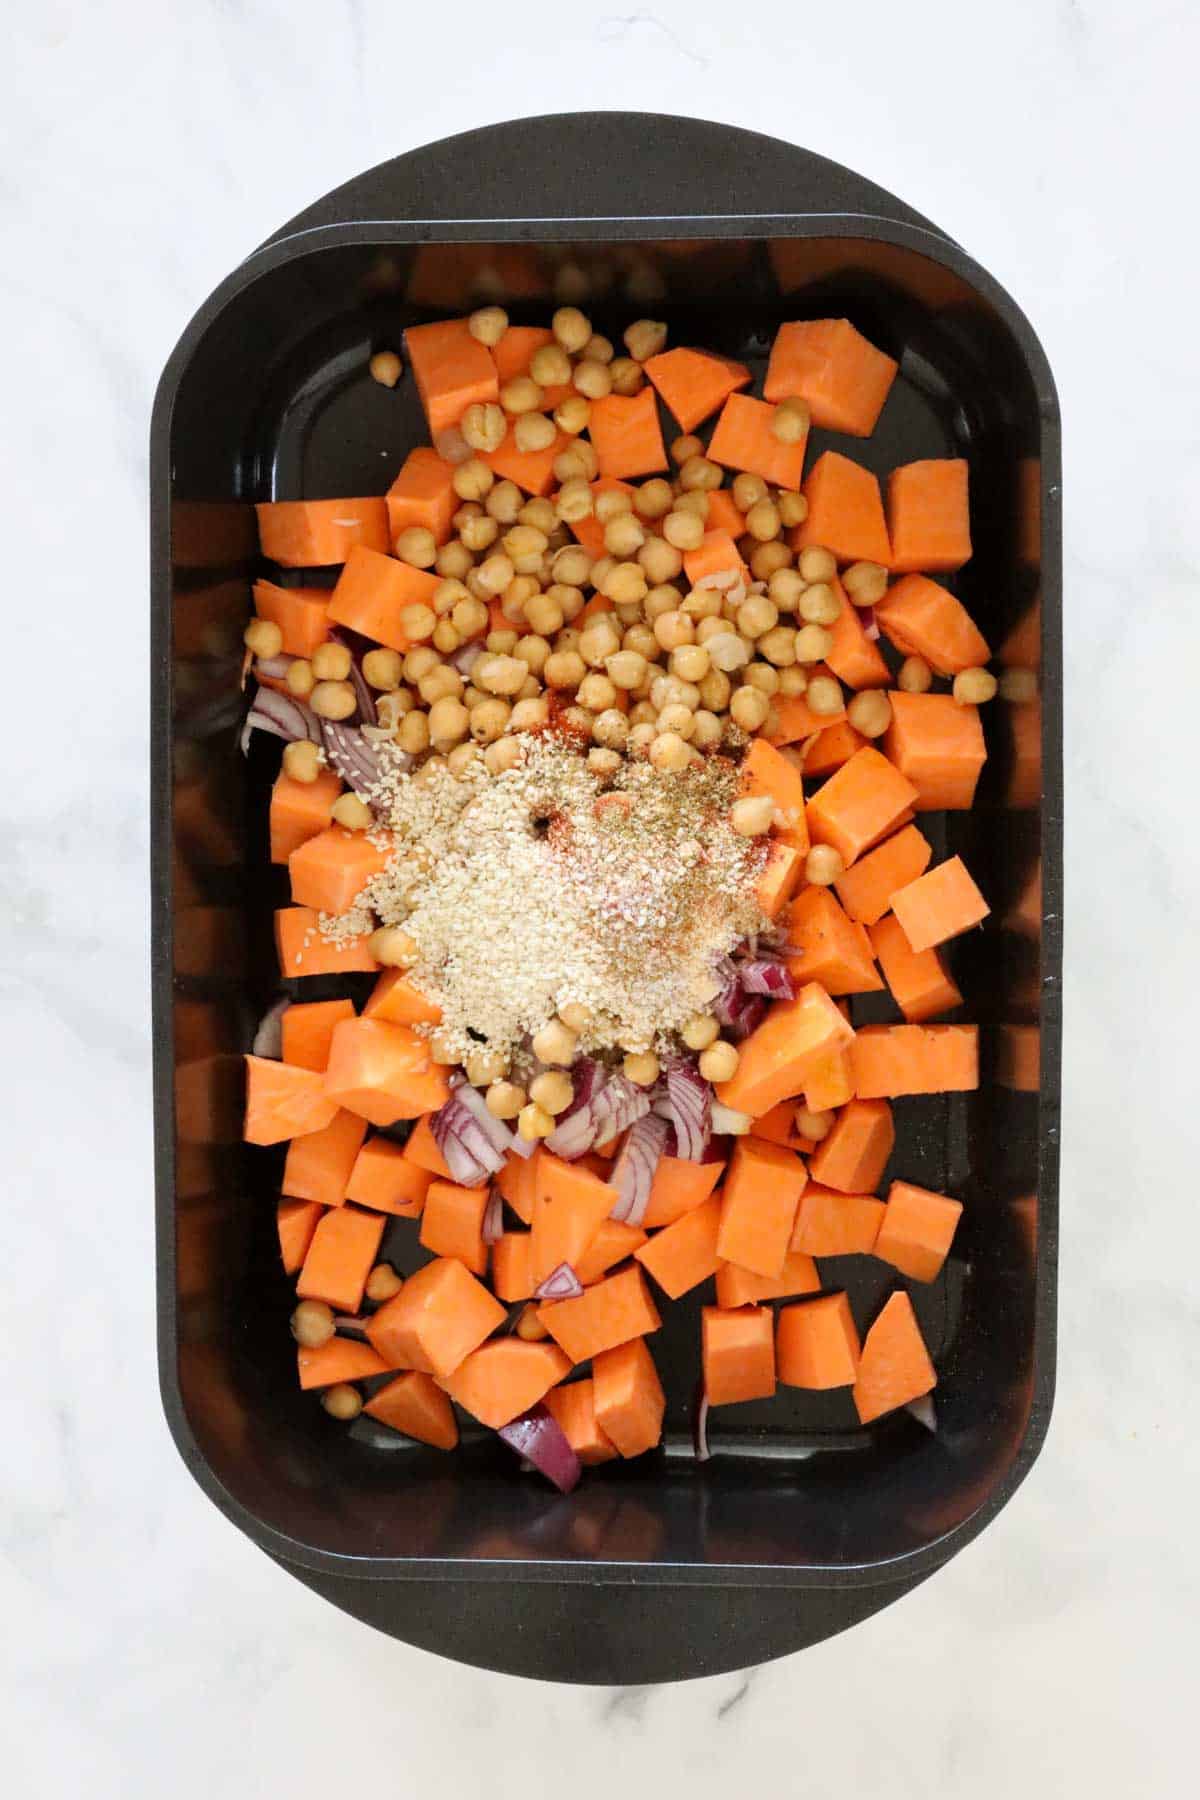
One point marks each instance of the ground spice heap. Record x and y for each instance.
(549, 885)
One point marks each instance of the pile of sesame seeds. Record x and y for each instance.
(548, 885)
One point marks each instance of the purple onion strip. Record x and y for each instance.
(537, 1436)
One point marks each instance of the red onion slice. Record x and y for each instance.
(689, 1098)
(727, 1122)
(348, 751)
(349, 1326)
(281, 716)
(869, 622)
(539, 1438)
(766, 975)
(700, 1425)
(274, 668)
(493, 1219)
(619, 1104)
(560, 1284)
(466, 656)
(268, 1039)
(633, 1171)
(470, 1154)
(575, 1129)
(923, 1412)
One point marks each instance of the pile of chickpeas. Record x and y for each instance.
(698, 667)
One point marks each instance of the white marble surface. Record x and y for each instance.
(146, 148)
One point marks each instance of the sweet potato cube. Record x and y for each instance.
(439, 1316)
(917, 1230)
(817, 1343)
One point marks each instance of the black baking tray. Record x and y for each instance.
(802, 1523)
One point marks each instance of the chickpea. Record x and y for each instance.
(626, 670)
(643, 713)
(711, 624)
(550, 366)
(645, 338)
(571, 328)
(790, 421)
(814, 1125)
(786, 588)
(642, 734)
(727, 651)
(813, 643)
(442, 682)
(449, 721)
(333, 700)
(312, 1324)
(413, 733)
(383, 669)
(703, 603)
(572, 566)
(574, 463)
(757, 615)
(484, 425)
(684, 447)
(865, 582)
(668, 751)
(575, 1014)
(501, 643)
(604, 761)
(974, 687)
(299, 678)
(624, 536)
(529, 1327)
(351, 813)
(592, 379)
(715, 689)
(454, 559)
(641, 1067)
(670, 690)
(523, 543)
(707, 730)
(762, 521)
(564, 669)
(446, 596)
(598, 349)
(792, 681)
(386, 368)
(446, 637)
(624, 582)
(488, 325)
(504, 502)
(504, 754)
(823, 865)
(544, 615)
(574, 500)
(489, 720)
(793, 508)
(529, 714)
(671, 629)
(677, 720)
(462, 758)
(915, 676)
(766, 559)
(555, 1043)
(870, 712)
(763, 677)
(331, 662)
(505, 1099)
(698, 474)
(654, 499)
(824, 696)
(748, 708)
(817, 564)
(753, 815)
(391, 707)
(521, 395)
(719, 1062)
(495, 573)
(302, 761)
(393, 947)
(683, 529)
(573, 414)
(532, 650)
(552, 1091)
(341, 1401)
(383, 1283)
(778, 646)
(689, 661)
(502, 675)
(533, 431)
(596, 692)
(473, 480)
(478, 534)
(819, 604)
(700, 1031)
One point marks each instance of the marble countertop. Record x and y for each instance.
(147, 1644)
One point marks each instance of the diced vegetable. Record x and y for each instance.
(824, 945)
(827, 363)
(845, 512)
(854, 656)
(383, 1072)
(859, 803)
(314, 533)
(928, 519)
(301, 613)
(303, 951)
(626, 436)
(452, 1225)
(283, 1101)
(742, 1287)
(395, 1000)
(694, 383)
(915, 1059)
(344, 1248)
(758, 1209)
(422, 494)
(387, 1180)
(372, 593)
(917, 1230)
(919, 981)
(628, 1396)
(854, 1155)
(866, 889)
(936, 744)
(505, 1378)
(330, 870)
(939, 905)
(923, 619)
(678, 1187)
(452, 370)
(306, 1031)
(615, 1310)
(341, 1359)
(319, 1164)
(573, 1406)
(300, 810)
(744, 439)
(295, 1222)
(417, 1406)
(684, 1254)
(830, 1223)
(817, 1344)
(569, 1206)
(776, 1058)
(895, 1366)
(439, 1316)
(738, 1354)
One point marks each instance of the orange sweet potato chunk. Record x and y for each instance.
(919, 981)
(824, 945)
(452, 1223)
(743, 438)
(845, 512)
(826, 362)
(628, 1396)
(890, 1060)
(939, 905)
(384, 1179)
(301, 613)
(917, 1230)
(301, 810)
(574, 1409)
(319, 1165)
(938, 746)
(340, 1257)
(310, 534)
(439, 1316)
(679, 1186)
(817, 1343)
(329, 871)
(830, 1223)
(503, 1379)
(859, 803)
(452, 369)
(894, 1367)
(684, 1254)
(738, 1353)
(866, 889)
(603, 1317)
(306, 1031)
(923, 619)
(694, 383)
(422, 494)
(854, 1155)
(928, 515)
(372, 592)
(417, 1406)
(758, 1208)
(742, 1287)
(626, 436)
(383, 1072)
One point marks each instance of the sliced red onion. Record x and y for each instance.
(689, 1100)
(575, 1129)
(538, 1437)
(362, 693)
(923, 1412)
(274, 668)
(452, 446)
(503, 1140)
(869, 622)
(466, 656)
(738, 1012)
(468, 1147)
(728, 1122)
(633, 1171)
(268, 1039)
(354, 757)
(617, 1106)
(349, 1326)
(281, 716)
(561, 1283)
(700, 1425)
(493, 1218)
(766, 976)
